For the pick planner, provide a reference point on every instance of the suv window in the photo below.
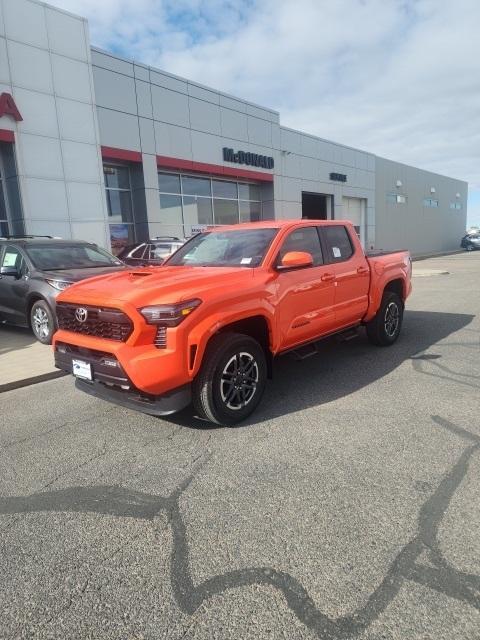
(139, 252)
(304, 239)
(339, 245)
(12, 257)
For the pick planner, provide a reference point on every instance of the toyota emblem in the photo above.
(81, 314)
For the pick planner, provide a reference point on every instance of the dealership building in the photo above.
(96, 147)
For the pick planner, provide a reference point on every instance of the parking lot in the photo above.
(348, 506)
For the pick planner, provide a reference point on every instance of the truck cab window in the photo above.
(338, 241)
(304, 239)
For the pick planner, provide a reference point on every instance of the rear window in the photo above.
(339, 245)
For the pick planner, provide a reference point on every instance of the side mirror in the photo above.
(295, 260)
(9, 271)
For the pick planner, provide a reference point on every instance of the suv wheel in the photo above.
(469, 247)
(42, 322)
(385, 327)
(232, 379)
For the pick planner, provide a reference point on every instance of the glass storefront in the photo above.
(187, 200)
(118, 193)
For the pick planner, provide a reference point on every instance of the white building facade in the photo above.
(104, 149)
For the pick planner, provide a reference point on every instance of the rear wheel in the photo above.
(232, 379)
(42, 322)
(384, 328)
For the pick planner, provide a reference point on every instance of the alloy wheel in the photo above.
(40, 323)
(238, 382)
(392, 319)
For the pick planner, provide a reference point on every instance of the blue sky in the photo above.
(399, 78)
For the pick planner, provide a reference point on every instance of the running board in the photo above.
(345, 336)
(302, 353)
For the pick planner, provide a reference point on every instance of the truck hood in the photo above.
(158, 285)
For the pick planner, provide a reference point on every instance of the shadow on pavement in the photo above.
(341, 368)
(14, 338)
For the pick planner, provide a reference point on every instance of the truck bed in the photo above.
(378, 254)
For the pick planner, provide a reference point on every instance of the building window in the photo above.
(456, 205)
(118, 192)
(396, 198)
(187, 200)
(430, 202)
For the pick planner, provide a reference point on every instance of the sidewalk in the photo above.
(23, 360)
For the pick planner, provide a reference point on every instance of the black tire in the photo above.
(215, 395)
(384, 329)
(469, 247)
(42, 322)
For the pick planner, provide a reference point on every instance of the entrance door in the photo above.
(316, 206)
(354, 210)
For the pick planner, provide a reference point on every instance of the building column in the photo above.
(150, 177)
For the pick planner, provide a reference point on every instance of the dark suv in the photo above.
(33, 269)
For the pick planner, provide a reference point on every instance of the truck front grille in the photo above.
(101, 322)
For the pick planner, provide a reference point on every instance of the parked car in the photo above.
(207, 325)
(152, 252)
(34, 269)
(471, 241)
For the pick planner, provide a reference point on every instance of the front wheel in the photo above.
(232, 379)
(385, 327)
(42, 322)
(469, 247)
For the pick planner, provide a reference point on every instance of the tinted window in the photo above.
(196, 186)
(304, 239)
(224, 189)
(169, 182)
(138, 253)
(338, 243)
(13, 258)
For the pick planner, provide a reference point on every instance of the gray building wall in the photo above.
(45, 65)
(424, 230)
(74, 99)
(155, 113)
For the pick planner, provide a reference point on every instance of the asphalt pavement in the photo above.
(347, 507)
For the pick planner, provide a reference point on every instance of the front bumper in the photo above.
(111, 383)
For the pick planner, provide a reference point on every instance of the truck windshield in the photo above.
(53, 257)
(242, 248)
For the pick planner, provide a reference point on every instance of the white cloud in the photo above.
(399, 78)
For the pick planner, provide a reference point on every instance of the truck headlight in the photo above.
(169, 315)
(59, 285)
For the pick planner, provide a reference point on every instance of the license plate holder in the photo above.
(82, 369)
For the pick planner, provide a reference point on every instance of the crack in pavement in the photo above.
(438, 575)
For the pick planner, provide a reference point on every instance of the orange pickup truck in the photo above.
(206, 326)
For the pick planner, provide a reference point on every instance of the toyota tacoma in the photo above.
(207, 325)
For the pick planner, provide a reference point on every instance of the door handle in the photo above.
(327, 277)
(362, 270)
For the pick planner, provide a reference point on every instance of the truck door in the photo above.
(352, 274)
(306, 296)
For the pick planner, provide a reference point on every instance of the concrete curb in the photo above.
(25, 382)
